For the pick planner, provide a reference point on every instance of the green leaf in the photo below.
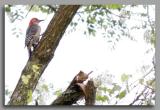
(153, 39)
(143, 14)
(124, 77)
(58, 92)
(102, 98)
(91, 31)
(7, 92)
(121, 94)
(91, 19)
(8, 8)
(117, 87)
(45, 87)
(141, 81)
(151, 83)
(73, 24)
(102, 88)
(114, 6)
(105, 89)
(35, 8)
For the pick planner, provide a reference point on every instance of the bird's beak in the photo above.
(41, 20)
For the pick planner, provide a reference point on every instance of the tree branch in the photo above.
(77, 90)
(29, 10)
(52, 8)
(70, 96)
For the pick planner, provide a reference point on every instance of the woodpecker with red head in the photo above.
(32, 35)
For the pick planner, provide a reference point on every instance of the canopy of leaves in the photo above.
(110, 20)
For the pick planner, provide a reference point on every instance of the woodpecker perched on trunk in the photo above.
(32, 35)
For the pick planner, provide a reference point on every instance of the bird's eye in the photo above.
(35, 19)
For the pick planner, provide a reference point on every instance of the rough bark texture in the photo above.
(74, 93)
(90, 93)
(42, 55)
(77, 90)
(70, 96)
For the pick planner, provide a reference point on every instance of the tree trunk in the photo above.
(42, 55)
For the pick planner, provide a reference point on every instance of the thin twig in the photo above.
(142, 76)
(138, 97)
(53, 8)
(29, 10)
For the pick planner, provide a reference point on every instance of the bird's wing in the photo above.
(31, 32)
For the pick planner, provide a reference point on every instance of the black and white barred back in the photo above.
(32, 35)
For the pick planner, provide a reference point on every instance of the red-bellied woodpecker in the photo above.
(32, 35)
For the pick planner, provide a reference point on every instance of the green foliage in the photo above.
(58, 92)
(7, 92)
(91, 31)
(19, 12)
(141, 81)
(42, 8)
(125, 77)
(150, 37)
(113, 6)
(73, 24)
(122, 94)
(103, 89)
(8, 8)
(97, 16)
(45, 87)
(91, 8)
(102, 98)
(114, 89)
(153, 39)
(17, 32)
(111, 19)
(110, 90)
(42, 92)
(106, 93)
(151, 83)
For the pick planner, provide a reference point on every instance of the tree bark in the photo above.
(78, 90)
(90, 97)
(42, 55)
(74, 93)
(70, 96)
